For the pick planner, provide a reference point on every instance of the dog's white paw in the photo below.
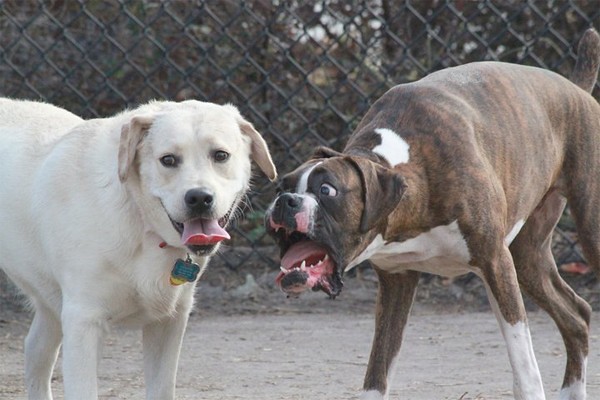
(372, 395)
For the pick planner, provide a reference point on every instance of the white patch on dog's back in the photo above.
(514, 232)
(441, 250)
(393, 148)
(303, 181)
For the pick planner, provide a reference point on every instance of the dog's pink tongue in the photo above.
(203, 232)
(310, 251)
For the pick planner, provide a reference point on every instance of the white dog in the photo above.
(111, 221)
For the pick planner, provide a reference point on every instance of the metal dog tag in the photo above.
(184, 271)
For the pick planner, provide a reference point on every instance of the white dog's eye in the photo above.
(221, 156)
(327, 190)
(169, 161)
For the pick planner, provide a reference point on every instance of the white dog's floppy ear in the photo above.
(260, 151)
(131, 136)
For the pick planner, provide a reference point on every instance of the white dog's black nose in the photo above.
(199, 200)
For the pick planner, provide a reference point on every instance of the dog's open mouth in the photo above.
(306, 264)
(201, 235)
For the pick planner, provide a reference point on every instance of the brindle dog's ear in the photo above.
(325, 152)
(131, 136)
(382, 190)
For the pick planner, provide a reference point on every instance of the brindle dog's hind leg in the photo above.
(539, 277)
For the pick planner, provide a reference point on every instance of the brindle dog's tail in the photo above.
(588, 61)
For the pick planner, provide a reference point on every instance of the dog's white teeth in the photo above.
(303, 265)
(326, 258)
(284, 270)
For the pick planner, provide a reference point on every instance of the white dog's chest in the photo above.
(146, 294)
(146, 302)
(144, 307)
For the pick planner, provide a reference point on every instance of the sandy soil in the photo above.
(320, 356)
(248, 342)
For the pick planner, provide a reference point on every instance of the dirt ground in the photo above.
(246, 341)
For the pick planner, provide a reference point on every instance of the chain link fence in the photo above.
(304, 72)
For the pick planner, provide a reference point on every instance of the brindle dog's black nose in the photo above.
(199, 200)
(286, 207)
(288, 202)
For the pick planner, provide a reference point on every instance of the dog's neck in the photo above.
(413, 208)
(367, 153)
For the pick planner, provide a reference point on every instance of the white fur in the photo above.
(527, 381)
(393, 148)
(83, 244)
(514, 232)
(372, 395)
(303, 181)
(442, 250)
(575, 391)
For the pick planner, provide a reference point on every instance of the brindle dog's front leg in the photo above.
(394, 301)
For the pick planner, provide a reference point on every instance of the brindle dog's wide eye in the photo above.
(328, 190)
(221, 156)
(169, 161)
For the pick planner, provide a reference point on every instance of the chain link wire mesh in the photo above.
(304, 72)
